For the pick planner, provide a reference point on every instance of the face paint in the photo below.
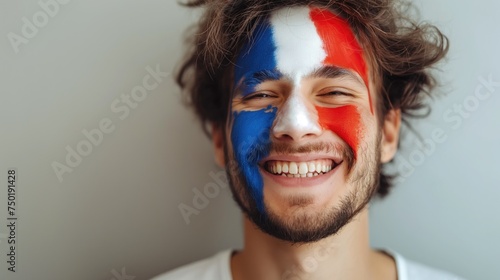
(343, 51)
(307, 39)
(296, 116)
(345, 121)
(256, 60)
(340, 44)
(292, 43)
(250, 134)
(299, 49)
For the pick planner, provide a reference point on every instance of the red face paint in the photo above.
(344, 121)
(344, 51)
(340, 44)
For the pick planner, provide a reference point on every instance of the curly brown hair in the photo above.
(399, 50)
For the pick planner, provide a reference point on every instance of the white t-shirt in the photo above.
(218, 267)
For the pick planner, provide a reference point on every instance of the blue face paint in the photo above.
(250, 134)
(257, 59)
(251, 142)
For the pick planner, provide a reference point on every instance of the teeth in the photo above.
(285, 168)
(302, 168)
(312, 167)
(293, 168)
(299, 169)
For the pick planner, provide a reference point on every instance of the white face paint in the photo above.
(299, 51)
(295, 118)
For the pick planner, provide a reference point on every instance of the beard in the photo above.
(300, 225)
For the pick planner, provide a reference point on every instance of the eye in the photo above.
(258, 95)
(335, 93)
(335, 96)
(256, 100)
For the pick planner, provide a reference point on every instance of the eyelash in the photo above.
(336, 92)
(257, 95)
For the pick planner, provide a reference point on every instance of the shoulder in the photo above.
(212, 268)
(410, 270)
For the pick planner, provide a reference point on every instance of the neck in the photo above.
(346, 254)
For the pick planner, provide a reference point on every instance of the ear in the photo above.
(390, 135)
(218, 142)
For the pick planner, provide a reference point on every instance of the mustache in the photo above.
(262, 148)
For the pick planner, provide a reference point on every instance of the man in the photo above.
(303, 101)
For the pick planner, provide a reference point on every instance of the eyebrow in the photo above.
(262, 76)
(331, 72)
(248, 83)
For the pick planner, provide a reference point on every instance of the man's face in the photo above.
(302, 140)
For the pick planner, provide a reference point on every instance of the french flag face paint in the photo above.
(291, 45)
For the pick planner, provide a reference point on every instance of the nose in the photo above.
(296, 120)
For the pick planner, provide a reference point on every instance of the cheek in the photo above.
(250, 138)
(344, 121)
(250, 133)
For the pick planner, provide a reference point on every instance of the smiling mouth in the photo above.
(294, 169)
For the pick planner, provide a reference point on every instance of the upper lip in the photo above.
(301, 158)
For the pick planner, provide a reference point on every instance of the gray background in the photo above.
(117, 211)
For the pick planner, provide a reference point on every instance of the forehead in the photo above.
(297, 41)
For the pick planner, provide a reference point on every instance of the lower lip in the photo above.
(301, 181)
